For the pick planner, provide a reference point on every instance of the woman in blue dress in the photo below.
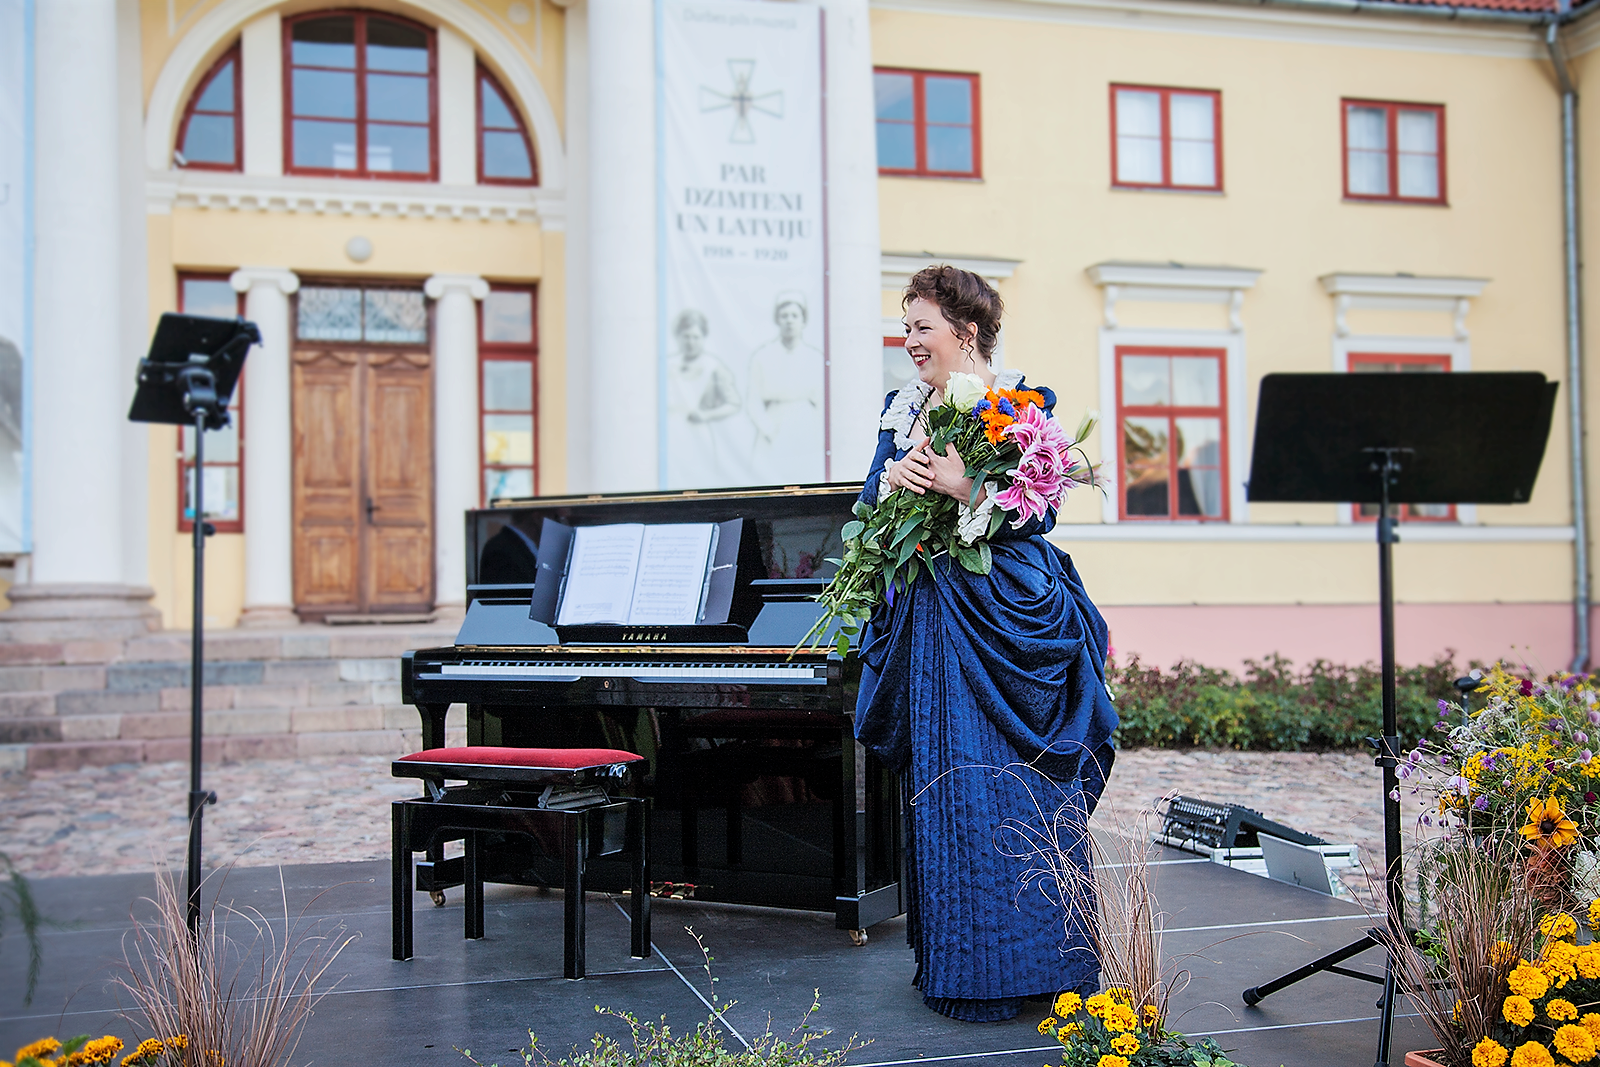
(986, 693)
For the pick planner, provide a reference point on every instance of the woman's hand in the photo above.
(911, 471)
(948, 472)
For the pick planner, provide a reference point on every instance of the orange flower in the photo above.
(1548, 826)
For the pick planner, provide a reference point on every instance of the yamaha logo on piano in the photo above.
(644, 635)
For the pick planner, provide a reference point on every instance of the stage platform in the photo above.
(1236, 929)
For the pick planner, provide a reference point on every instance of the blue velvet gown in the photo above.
(965, 675)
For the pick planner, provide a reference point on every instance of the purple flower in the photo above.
(1402, 771)
(1394, 794)
(1007, 408)
(1038, 482)
(1580, 737)
(1444, 708)
(1458, 784)
(1444, 761)
(1481, 804)
(1586, 755)
(1594, 716)
(1526, 688)
(1590, 798)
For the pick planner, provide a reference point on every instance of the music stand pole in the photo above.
(1389, 744)
(198, 798)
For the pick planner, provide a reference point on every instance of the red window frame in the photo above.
(919, 124)
(360, 121)
(1171, 412)
(485, 74)
(1392, 120)
(1403, 511)
(509, 352)
(1166, 138)
(235, 408)
(231, 55)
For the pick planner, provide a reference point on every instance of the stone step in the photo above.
(27, 705)
(55, 754)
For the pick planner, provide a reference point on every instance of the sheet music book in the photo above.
(633, 574)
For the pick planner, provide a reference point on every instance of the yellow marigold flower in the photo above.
(1594, 914)
(1119, 994)
(1561, 1010)
(1064, 1033)
(1068, 1004)
(1120, 1017)
(1502, 953)
(1548, 826)
(1109, 1060)
(1127, 1044)
(1047, 1026)
(1591, 1023)
(1517, 1010)
(1558, 924)
(1588, 961)
(1489, 1053)
(1528, 981)
(179, 1041)
(1152, 1014)
(39, 1049)
(1532, 1054)
(1097, 1004)
(1575, 1043)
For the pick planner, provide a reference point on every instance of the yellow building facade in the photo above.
(1260, 257)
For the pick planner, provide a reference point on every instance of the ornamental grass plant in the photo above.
(235, 993)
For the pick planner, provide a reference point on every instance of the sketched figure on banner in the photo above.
(784, 399)
(702, 449)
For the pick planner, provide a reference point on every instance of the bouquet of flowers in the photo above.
(1021, 462)
(1523, 765)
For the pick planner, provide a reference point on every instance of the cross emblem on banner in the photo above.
(742, 101)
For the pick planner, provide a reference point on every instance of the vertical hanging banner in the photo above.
(743, 264)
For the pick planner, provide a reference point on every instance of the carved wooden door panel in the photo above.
(397, 556)
(327, 480)
(363, 481)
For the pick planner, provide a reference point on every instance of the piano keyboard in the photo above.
(653, 671)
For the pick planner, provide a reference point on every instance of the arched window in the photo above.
(211, 135)
(505, 155)
(360, 97)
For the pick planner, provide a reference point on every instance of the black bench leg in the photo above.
(402, 884)
(574, 847)
(639, 847)
(473, 886)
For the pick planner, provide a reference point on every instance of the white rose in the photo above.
(964, 391)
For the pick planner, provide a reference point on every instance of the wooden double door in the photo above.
(363, 480)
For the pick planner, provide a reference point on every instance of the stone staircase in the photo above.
(269, 694)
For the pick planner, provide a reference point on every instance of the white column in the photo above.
(855, 376)
(261, 71)
(622, 243)
(456, 480)
(577, 245)
(268, 450)
(458, 109)
(135, 293)
(77, 370)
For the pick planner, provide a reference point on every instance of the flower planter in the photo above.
(1425, 1058)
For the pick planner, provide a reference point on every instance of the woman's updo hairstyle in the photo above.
(963, 299)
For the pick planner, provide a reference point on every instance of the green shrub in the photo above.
(1274, 707)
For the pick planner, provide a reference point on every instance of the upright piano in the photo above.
(761, 794)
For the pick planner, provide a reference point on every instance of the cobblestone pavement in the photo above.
(102, 820)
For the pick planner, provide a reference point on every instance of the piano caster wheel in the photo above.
(858, 938)
(437, 896)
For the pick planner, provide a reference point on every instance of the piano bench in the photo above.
(550, 795)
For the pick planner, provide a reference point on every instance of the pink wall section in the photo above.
(1226, 635)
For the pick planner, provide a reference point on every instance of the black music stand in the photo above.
(187, 380)
(1391, 439)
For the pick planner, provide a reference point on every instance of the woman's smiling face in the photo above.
(933, 345)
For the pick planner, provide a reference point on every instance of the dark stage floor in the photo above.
(485, 995)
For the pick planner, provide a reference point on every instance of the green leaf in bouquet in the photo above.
(852, 530)
(841, 643)
(905, 529)
(978, 484)
(986, 557)
(862, 510)
(969, 557)
(907, 550)
(996, 517)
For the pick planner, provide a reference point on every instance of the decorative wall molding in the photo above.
(898, 267)
(1173, 283)
(212, 191)
(1402, 292)
(1422, 33)
(1362, 533)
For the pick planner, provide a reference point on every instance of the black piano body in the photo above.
(760, 793)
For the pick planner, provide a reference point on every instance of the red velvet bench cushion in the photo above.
(491, 762)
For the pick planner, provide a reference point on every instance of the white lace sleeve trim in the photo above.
(901, 415)
(974, 522)
(884, 488)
